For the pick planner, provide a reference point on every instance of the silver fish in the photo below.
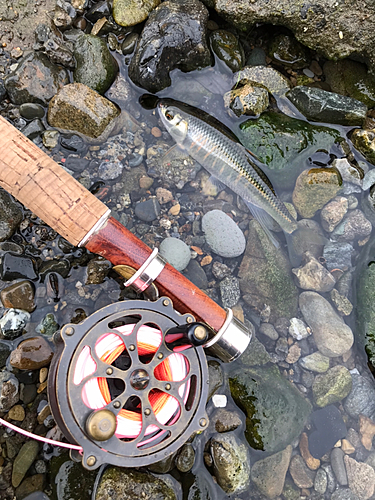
(219, 152)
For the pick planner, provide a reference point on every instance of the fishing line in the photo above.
(96, 392)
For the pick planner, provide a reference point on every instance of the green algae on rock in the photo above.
(332, 386)
(265, 276)
(364, 142)
(132, 12)
(228, 48)
(78, 108)
(71, 479)
(284, 143)
(96, 67)
(275, 410)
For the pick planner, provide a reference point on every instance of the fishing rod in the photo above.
(128, 385)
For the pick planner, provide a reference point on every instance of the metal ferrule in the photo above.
(148, 272)
(231, 340)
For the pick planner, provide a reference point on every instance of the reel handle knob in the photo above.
(187, 335)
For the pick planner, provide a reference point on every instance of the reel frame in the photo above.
(70, 412)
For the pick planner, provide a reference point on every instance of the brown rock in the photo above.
(175, 210)
(367, 431)
(294, 354)
(311, 462)
(206, 260)
(156, 132)
(19, 296)
(361, 478)
(347, 447)
(302, 476)
(30, 485)
(145, 182)
(31, 354)
(17, 413)
(163, 196)
(313, 276)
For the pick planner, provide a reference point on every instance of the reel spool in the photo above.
(117, 389)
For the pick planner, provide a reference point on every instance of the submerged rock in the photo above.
(174, 36)
(333, 213)
(286, 50)
(229, 241)
(322, 106)
(129, 484)
(361, 478)
(231, 462)
(313, 276)
(275, 410)
(131, 12)
(9, 391)
(332, 336)
(332, 387)
(247, 100)
(314, 188)
(96, 67)
(228, 48)
(71, 479)
(31, 354)
(284, 143)
(361, 400)
(353, 227)
(79, 108)
(265, 276)
(269, 474)
(176, 252)
(22, 86)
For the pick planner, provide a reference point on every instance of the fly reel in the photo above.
(121, 392)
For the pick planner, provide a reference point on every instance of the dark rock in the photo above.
(58, 50)
(275, 410)
(231, 463)
(76, 164)
(322, 106)
(130, 12)
(31, 488)
(257, 57)
(255, 354)
(13, 323)
(3, 91)
(228, 48)
(285, 49)
(338, 466)
(98, 11)
(338, 255)
(329, 428)
(129, 484)
(33, 129)
(28, 393)
(71, 480)
(185, 459)
(195, 273)
(79, 108)
(22, 86)
(148, 210)
(17, 266)
(10, 215)
(226, 421)
(31, 354)
(19, 296)
(97, 270)
(361, 400)
(163, 466)
(96, 67)
(5, 350)
(174, 36)
(129, 44)
(9, 391)
(284, 143)
(265, 276)
(30, 110)
(48, 267)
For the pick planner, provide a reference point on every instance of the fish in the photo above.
(219, 151)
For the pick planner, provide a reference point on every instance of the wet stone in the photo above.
(297, 329)
(22, 86)
(129, 44)
(226, 421)
(332, 336)
(294, 354)
(130, 12)
(33, 129)
(355, 226)
(268, 77)
(332, 387)
(185, 459)
(269, 331)
(231, 462)
(28, 393)
(110, 170)
(228, 48)
(285, 49)
(361, 478)
(30, 110)
(247, 100)
(23, 461)
(364, 142)
(31, 354)
(5, 350)
(148, 210)
(322, 106)
(313, 276)
(255, 354)
(338, 255)
(19, 296)
(229, 241)
(338, 466)
(10, 215)
(174, 36)
(302, 476)
(361, 400)
(314, 188)
(333, 213)
(128, 484)
(51, 138)
(195, 273)
(230, 291)
(9, 392)
(315, 362)
(269, 474)
(343, 494)
(13, 323)
(342, 303)
(96, 67)
(176, 252)
(97, 270)
(349, 173)
(79, 108)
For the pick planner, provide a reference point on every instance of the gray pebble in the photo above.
(331, 480)
(222, 234)
(320, 482)
(230, 291)
(338, 466)
(110, 170)
(268, 330)
(361, 400)
(176, 252)
(148, 210)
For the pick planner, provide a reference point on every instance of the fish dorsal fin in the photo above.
(252, 159)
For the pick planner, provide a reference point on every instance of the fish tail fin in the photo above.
(301, 240)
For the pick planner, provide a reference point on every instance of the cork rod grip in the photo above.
(44, 187)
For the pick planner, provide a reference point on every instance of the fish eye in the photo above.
(169, 115)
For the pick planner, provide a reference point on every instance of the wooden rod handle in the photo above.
(44, 187)
(114, 242)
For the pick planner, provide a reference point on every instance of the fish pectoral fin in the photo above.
(258, 166)
(265, 220)
(215, 182)
(171, 150)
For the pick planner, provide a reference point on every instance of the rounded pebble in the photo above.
(176, 252)
(222, 234)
